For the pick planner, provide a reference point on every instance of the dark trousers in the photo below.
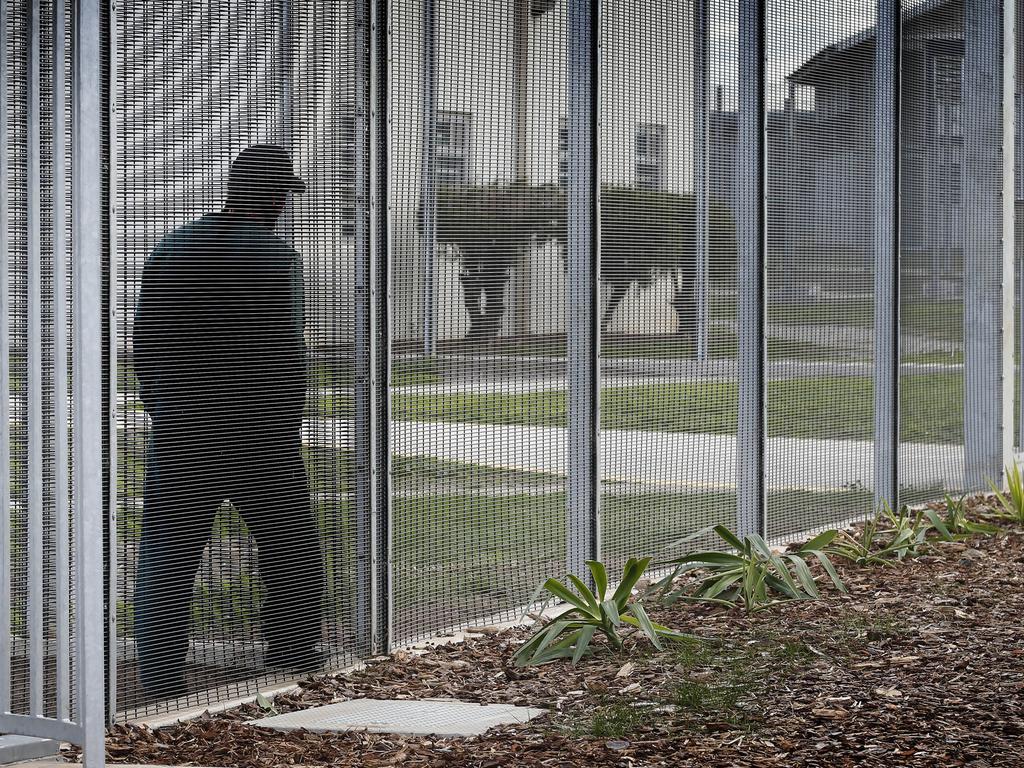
(189, 474)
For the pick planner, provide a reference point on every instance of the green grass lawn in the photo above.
(830, 407)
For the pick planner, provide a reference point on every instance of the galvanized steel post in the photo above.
(751, 233)
(428, 176)
(701, 137)
(34, 354)
(5, 380)
(582, 537)
(87, 377)
(988, 87)
(62, 559)
(372, 423)
(113, 321)
(888, 73)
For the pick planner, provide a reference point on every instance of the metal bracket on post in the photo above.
(888, 89)
(701, 136)
(582, 535)
(989, 84)
(751, 231)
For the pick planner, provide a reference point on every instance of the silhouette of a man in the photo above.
(220, 358)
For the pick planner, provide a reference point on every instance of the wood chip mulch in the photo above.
(922, 664)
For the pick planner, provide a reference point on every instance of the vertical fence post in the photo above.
(5, 383)
(888, 74)
(113, 589)
(363, 332)
(372, 334)
(583, 283)
(62, 561)
(751, 277)
(989, 82)
(701, 136)
(428, 175)
(383, 213)
(34, 352)
(87, 376)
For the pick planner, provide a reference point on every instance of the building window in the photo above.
(451, 147)
(650, 156)
(563, 153)
(947, 77)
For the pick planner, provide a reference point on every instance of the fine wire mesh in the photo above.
(479, 441)
(56, 566)
(480, 153)
(198, 84)
(17, 44)
(668, 415)
(820, 261)
(932, 249)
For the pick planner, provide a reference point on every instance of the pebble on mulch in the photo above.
(922, 664)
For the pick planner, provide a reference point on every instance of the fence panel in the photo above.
(566, 279)
(478, 143)
(820, 338)
(51, 556)
(264, 529)
(668, 273)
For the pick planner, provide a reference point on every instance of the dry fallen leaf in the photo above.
(830, 714)
(889, 693)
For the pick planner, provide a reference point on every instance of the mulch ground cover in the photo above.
(921, 664)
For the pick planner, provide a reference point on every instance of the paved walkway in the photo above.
(658, 460)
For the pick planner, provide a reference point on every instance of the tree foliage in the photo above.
(645, 234)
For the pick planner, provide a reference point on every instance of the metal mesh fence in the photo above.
(37, 553)
(820, 256)
(563, 280)
(478, 326)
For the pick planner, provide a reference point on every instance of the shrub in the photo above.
(885, 538)
(753, 576)
(954, 525)
(569, 635)
(1011, 502)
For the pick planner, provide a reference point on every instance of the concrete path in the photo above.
(658, 460)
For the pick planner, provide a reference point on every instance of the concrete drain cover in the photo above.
(437, 717)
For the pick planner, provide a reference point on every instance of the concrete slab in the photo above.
(428, 717)
(15, 749)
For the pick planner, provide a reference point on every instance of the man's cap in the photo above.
(264, 166)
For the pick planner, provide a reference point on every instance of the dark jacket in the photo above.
(218, 327)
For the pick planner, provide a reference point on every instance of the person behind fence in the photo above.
(220, 358)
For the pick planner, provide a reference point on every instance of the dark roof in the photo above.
(825, 61)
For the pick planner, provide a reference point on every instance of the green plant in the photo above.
(614, 721)
(753, 576)
(954, 525)
(884, 538)
(1012, 502)
(569, 635)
